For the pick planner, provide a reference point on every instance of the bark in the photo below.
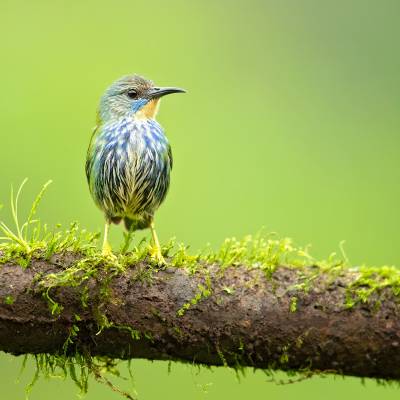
(247, 320)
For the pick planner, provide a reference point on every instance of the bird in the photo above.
(129, 158)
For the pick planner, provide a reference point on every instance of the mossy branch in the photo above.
(258, 302)
(308, 319)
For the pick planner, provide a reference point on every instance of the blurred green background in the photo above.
(291, 122)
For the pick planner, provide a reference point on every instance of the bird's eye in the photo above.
(132, 94)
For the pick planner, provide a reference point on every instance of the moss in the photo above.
(178, 332)
(284, 357)
(369, 283)
(263, 251)
(73, 333)
(9, 300)
(221, 356)
(293, 304)
(228, 289)
(203, 292)
(80, 368)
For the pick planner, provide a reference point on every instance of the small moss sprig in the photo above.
(32, 238)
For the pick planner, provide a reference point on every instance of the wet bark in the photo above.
(296, 319)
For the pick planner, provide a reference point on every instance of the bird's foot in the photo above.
(107, 251)
(155, 253)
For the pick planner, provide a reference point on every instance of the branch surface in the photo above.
(297, 319)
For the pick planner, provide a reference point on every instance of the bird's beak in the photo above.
(157, 92)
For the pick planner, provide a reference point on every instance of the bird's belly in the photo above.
(150, 177)
(131, 175)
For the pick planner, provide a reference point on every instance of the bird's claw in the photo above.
(155, 253)
(110, 256)
(107, 251)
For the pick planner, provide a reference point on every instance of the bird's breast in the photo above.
(133, 135)
(130, 141)
(131, 165)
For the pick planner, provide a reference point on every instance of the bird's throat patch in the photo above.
(149, 110)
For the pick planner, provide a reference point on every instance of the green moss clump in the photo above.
(293, 304)
(9, 300)
(369, 283)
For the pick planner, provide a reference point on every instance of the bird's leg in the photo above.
(106, 249)
(156, 253)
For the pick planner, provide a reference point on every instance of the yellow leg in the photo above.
(106, 250)
(157, 248)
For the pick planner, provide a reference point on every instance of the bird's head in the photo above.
(132, 96)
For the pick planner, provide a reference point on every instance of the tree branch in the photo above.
(303, 319)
